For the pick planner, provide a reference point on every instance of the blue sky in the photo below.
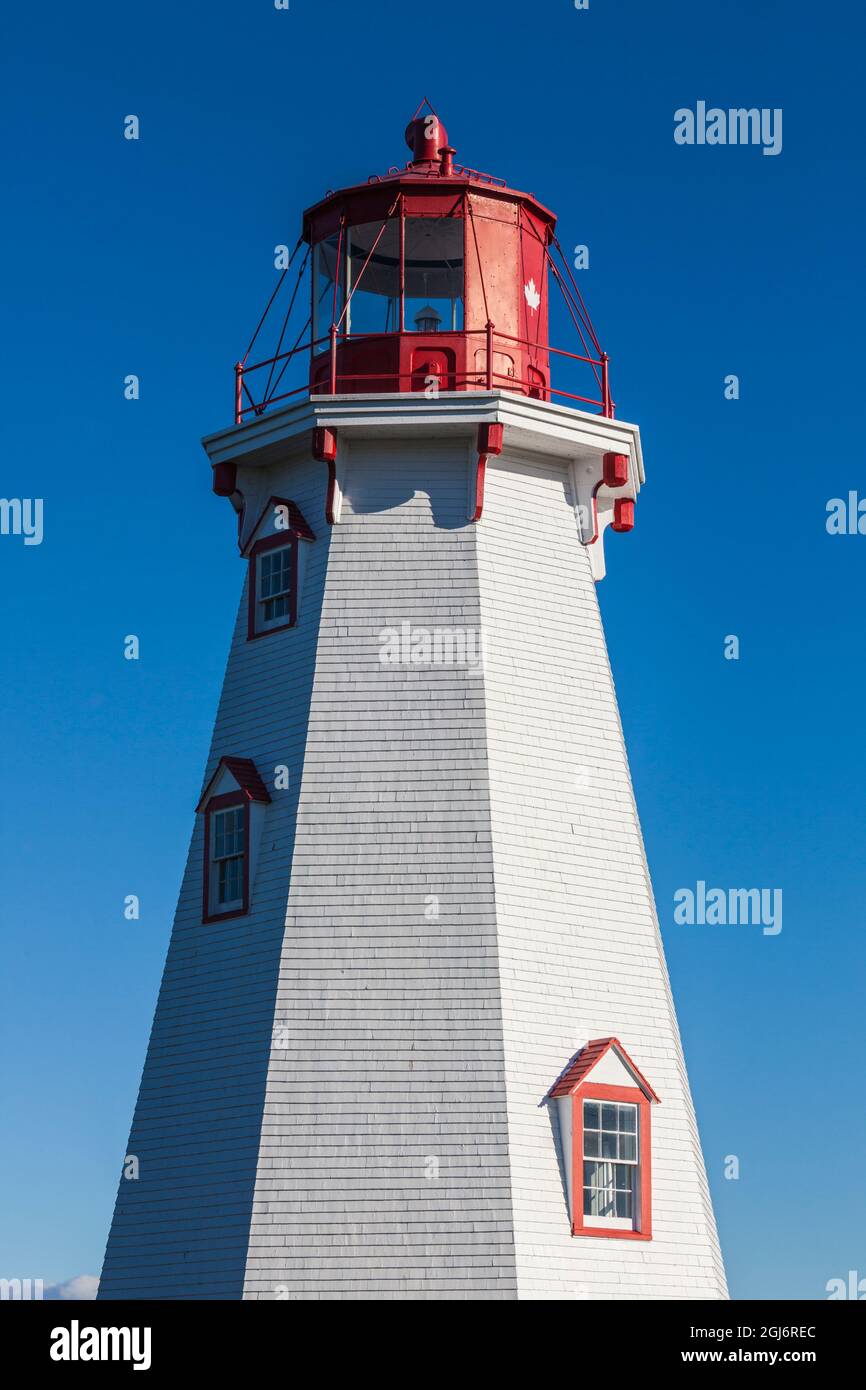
(155, 257)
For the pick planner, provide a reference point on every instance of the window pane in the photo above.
(628, 1118)
(592, 1143)
(598, 1192)
(608, 1145)
(590, 1114)
(229, 889)
(608, 1117)
(598, 1174)
(276, 608)
(595, 1202)
(609, 1188)
(228, 828)
(275, 572)
(434, 274)
(628, 1146)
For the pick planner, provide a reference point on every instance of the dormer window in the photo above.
(233, 807)
(604, 1106)
(275, 568)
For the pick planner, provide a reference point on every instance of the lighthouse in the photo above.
(415, 1037)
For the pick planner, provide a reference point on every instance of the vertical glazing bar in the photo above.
(239, 393)
(466, 323)
(489, 355)
(337, 271)
(314, 278)
(402, 266)
(347, 282)
(333, 329)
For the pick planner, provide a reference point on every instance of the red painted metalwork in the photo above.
(331, 495)
(225, 479)
(426, 136)
(239, 393)
(490, 439)
(324, 448)
(615, 469)
(480, 475)
(324, 444)
(623, 514)
(432, 233)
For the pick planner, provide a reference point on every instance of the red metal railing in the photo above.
(487, 379)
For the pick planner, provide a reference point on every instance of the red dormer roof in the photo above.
(297, 522)
(245, 774)
(587, 1058)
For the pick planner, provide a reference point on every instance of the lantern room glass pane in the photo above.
(374, 277)
(324, 270)
(434, 274)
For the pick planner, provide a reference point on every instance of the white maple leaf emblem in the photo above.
(533, 298)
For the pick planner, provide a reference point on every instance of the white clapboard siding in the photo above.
(343, 1096)
(579, 948)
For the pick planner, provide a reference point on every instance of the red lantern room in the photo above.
(430, 274)
(433, 277)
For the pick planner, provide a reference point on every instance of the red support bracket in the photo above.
(324, 448)
(623, 514)
(225, 477)
(489, 442)
(615, 469)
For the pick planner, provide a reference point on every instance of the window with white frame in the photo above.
(611, 1162)
(275, 585)
(227, 853)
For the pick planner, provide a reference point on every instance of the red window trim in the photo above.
(222, 803)
(281, 540)
(630, 1095)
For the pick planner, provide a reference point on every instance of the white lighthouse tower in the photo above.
(415, 1037)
